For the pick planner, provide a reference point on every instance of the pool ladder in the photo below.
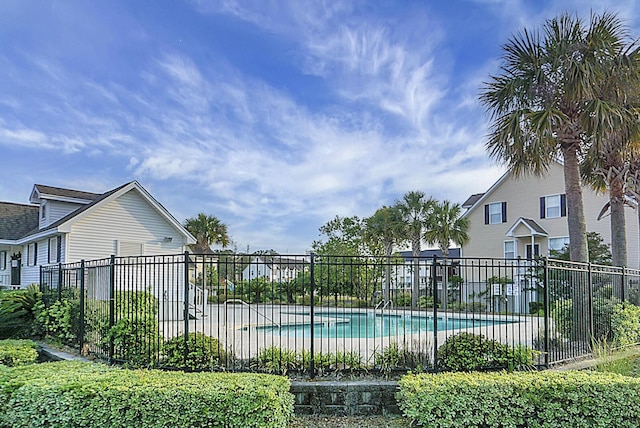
(382, 305)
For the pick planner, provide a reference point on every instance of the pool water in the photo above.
(363, 325)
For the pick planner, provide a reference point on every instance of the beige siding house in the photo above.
(524, 216)
(65, 226)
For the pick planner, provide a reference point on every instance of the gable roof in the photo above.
(17, 220)
(533, 227)
(41, 191)
(454, 253)
(30, 229)
(472, 200)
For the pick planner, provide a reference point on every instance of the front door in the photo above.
(536, 251)
(16, 260)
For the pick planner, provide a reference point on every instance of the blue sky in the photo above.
(275, 116)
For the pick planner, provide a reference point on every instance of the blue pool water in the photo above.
(363, 325)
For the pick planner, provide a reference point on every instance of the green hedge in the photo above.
(531, 399)
(89, 395)
(18, 352)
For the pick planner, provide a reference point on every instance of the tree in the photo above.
(607, 165)
(414, 210)
(445, 224)
(543, 103)
(208, 230)
(599, 252)
(384, 228)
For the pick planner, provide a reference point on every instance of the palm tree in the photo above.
(445, 225)
(542, 103)
(208, 230)
(608, 162)
(384, 227)
(414, 210)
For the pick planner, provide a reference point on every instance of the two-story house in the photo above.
(527, 215)
(65, 226)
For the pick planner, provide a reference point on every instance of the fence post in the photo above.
(434, 282)
(112, 304)
(312, 369)
(81, 315)
(186, 301)
(590, 299)
(545, 283)
(59, 281)
(624, 283)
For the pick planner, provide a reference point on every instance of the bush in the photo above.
(17, 312)
(18, 352)
(470, 352)
(83, 394)
(198, 352)
(562, 315)
(58, 322)
(276, 360)
(402, 300)
(625, 324)
(528, 399)
(136, 342)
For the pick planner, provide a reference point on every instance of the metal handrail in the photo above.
(250, 307)
(385, 304)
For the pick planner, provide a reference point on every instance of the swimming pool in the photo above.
(369, 325)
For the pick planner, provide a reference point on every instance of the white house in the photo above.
(65, 226)
(275, 269)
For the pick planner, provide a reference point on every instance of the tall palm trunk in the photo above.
(579, 251)
(618, 225)
(415, 249)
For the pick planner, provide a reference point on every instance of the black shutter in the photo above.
(542, 208)
(504, 212)
(49, 251)
(35, 254)
(563, 205)
(486, 214)
(59, 245)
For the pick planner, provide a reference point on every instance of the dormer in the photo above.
(55, 202)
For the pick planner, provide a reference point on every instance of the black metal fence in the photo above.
(316, 314)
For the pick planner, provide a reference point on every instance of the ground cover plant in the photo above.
(88, 395)
(14, 352)
(524, 399)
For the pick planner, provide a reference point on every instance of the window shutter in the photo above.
(35, 254)
(563, 205)
(59, 245)
(486, 214)
(49, 251)
(542, 208)
(504, 212)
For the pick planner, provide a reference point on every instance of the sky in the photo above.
(273, 115)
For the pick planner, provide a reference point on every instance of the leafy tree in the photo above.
(208, 230)
(414, 209)
(384, 228)
(599, 252)
(546, 100)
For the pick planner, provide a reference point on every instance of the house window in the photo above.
(553, 206)
(495, 213)
(43, 211)
(557, 244)
(3, 260)
(54, 249)
(32, 254)
(509, 249)
(535, 253)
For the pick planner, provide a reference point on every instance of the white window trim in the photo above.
(547, 206)
(499, 213)
(504, 249)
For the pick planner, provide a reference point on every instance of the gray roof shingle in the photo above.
(17, 220)
(67, 193)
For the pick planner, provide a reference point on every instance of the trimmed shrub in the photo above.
(470, 352)
(526, 399)
(18, 352)
(198, 352)
(86, 395)
(59, 322)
